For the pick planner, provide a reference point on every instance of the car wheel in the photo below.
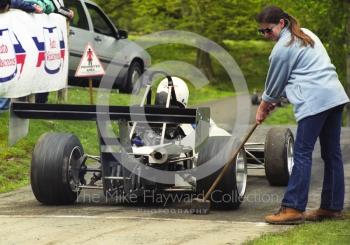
(279, 163)
(230, 192)
(255, 99)
(132, 85)
(55, 168)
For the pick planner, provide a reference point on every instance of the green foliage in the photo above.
(216, 20)
(120, 11)
(252, 58)
(234, 20)
(153, 15)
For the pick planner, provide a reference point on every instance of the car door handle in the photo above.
(71, 33)
(98, 39)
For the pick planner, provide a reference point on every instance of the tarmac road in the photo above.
(92, 220)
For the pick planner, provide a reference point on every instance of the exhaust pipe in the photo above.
(163, 153)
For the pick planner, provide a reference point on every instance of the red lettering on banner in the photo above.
(53, 56)
(3, 49)
(7, 62)
(53, 43)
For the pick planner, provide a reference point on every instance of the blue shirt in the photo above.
(305, 75)
(23, 5)
(28, 5)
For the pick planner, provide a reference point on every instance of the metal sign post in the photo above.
(91, 92)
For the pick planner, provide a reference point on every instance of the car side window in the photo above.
(79, 20)
(100, 22)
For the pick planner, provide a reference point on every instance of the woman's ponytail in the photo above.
(296, 32)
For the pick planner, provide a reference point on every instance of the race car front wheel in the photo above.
(230, 192)
(55, 168)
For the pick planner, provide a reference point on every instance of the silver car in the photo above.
(91, 25)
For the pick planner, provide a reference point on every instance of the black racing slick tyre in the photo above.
(279, 163)
(132, 84)
(55, 168)
(229, 193)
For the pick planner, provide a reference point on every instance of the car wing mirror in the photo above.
(123, 34)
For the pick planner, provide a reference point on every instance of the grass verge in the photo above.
(281, 115)
(327, 232)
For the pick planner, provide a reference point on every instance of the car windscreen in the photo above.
(100, 22)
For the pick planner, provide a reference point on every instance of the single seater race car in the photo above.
(161, 147)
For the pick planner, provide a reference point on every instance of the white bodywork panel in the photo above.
(188, 141)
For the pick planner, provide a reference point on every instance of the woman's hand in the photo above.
(263, 111)
(38, 9)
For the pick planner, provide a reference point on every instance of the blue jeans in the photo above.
(327, 126)
(4, 104)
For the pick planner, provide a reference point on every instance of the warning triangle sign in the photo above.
(90, 65)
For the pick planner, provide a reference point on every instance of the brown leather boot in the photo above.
(322, 214)
(286, 216)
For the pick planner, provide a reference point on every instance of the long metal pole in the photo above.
(228, 163)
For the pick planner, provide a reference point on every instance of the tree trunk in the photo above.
(203, 62)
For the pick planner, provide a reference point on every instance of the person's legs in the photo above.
(332, 197)
(4, 104)
(309, 128)
(295, 198)
(41, 98)
(4, 5)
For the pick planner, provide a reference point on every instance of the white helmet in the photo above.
(181, 92)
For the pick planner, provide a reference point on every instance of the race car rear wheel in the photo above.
(231, 190)
(55, 168)
(279, 163)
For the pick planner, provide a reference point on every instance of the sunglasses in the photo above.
(266, 30)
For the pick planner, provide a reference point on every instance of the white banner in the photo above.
(33, 53)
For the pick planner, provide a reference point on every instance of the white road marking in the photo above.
(131, 218)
